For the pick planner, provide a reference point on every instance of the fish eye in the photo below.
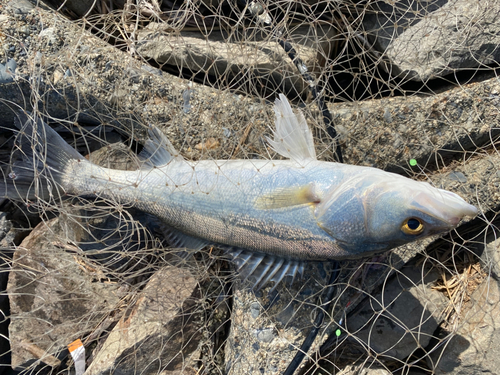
(413, 226)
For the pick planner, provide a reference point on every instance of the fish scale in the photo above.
(270, 216)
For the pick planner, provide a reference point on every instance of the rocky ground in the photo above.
(101, 275)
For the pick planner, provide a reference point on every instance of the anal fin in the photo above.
(260, 268)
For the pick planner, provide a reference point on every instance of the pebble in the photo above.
(21, 6)
(265, 334)
(24, 30)
(186, 96)
(48, 33)
(457, 176)
(387, 115)
(57, 76)
(8, 71)
(286, 315)
(151, 69)
(255, 309)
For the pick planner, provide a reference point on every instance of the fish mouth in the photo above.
(446, 206)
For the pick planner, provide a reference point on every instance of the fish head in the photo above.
(376, 211)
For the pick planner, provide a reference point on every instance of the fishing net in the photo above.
(410, 87)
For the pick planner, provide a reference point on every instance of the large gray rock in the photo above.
(161, 332)
(266, 330)
(54, 299)
(231, 56)
(422, 40)
(474, 348)
(402, 317)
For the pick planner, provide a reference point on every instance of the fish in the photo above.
(269, 216)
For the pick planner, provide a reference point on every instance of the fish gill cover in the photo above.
(406, 87)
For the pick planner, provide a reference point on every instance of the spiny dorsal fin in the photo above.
(158, 150)
(286, 197)
(292, 138)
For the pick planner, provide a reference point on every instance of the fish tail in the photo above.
(38, 161)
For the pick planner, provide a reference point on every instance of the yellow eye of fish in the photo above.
(412, 226)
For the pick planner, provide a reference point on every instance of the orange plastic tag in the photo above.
(75, 345)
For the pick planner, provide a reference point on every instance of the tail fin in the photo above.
(37, 161)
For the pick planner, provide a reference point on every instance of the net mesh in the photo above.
(411, 87)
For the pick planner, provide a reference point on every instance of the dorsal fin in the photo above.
(158, 150)
(292, 138)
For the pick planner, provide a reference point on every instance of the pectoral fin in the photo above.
(287, 197)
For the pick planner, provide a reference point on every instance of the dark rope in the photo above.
(318, 321)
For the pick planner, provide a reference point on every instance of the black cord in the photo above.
(318, 321)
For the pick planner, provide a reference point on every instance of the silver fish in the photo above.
(269, 215)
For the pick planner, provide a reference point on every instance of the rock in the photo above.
(402, 318)
(421, 127)
(268, 327)
(474, 348)
(8, 71)
(425, 40)
(362, 370)
(5, 230)
(160, 331)
(21, 6)
(224, 55)
(53, 298)
(258, 342)
(457, 176)
(491, 256)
